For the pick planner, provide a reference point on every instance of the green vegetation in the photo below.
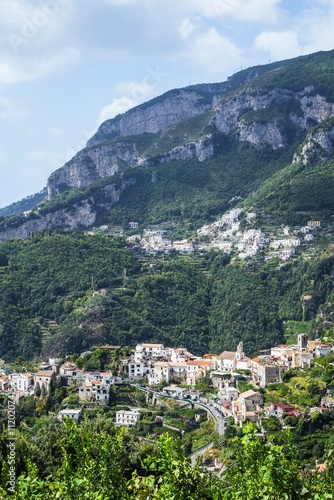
(95, 460)
(315, 69)
(23, 205)
(64, 293)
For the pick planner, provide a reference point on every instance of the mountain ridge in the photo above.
(270, 108)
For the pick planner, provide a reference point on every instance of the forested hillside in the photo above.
(63, 293)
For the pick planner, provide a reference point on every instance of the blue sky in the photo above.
(66, 65)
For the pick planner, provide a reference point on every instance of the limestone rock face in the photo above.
(244, 114)
(262, 134)
(154, 116)
(319, 146)
(81, 215)
(260, 118)
(201, 149)
(91, 164)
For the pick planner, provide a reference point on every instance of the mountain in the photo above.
(261, 142)
(24, 205)
(206, 144)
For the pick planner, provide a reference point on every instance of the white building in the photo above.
(127, 417)
(152, 350)
(21, 381)
(228, 394)
(73, 414)
(139, 369)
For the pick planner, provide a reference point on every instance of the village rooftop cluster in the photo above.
(225, 235)
(177, 371)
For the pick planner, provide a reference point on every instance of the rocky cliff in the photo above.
(266, 108)
(155, 116)
(81, 215)
(319, 144)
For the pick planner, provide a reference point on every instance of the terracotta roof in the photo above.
(292, 412)
(26, 374)
(282, 406)
(202, 362)
(248, 394)
(44, 373)
(227, 355)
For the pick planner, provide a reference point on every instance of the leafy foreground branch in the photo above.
(95, 465)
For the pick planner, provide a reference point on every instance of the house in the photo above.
(247, 406)
(152, 350)
(73, 414)
(197, 369)
(227, 361)
(219, 378)
(266, 370)
(179, 354)
(167, 370)
(45, 379)
(139, 370)
(228, 394)
(314, 223)
(67, 369)
(127, 417)
(174, 391)
(279, 409)
(183, 246)
(21, 381)
(94, 391)
(322, 350)
(4, 383)
(133, 225)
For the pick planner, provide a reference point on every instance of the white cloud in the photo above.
(240, 10)
(136, 91)
(118, 105)
(213, 53)
(18, 71)
(186, 28)
(132, 94)
(316, 27)
(279, 44)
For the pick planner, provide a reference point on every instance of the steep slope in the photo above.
(181, 124)
(308, 183)
(192, 150)
(23, 205)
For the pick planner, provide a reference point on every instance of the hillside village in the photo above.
(175, 372)
(226, 234)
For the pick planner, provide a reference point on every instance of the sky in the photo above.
(68, 65)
